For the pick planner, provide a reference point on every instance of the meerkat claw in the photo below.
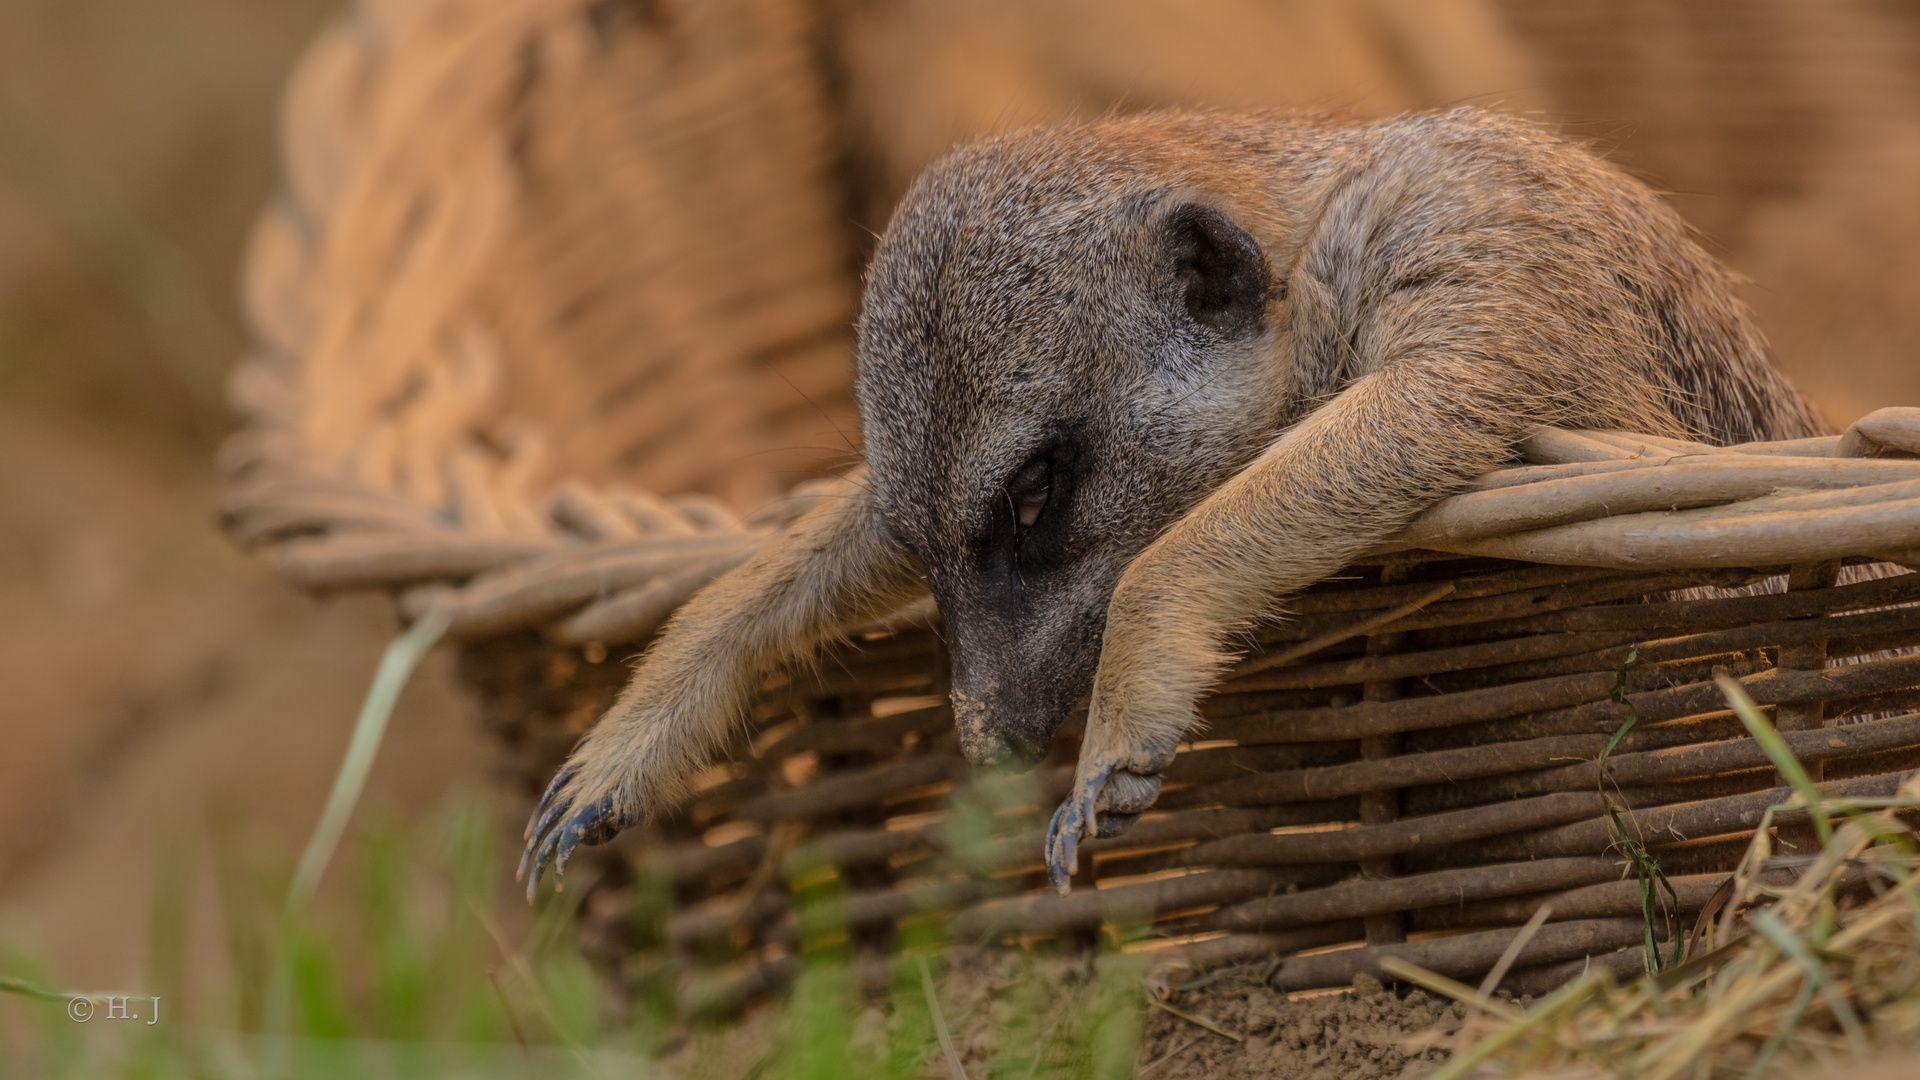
(1117, 788)
(1062, 840)
(1070, 823)
(533, 862)
(535, 822)
(561, 829)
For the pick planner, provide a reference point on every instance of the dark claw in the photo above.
(545, 824)
(1069, 824)
(1061, 845)
(590, 826)
(551, 807)
(534, 862)
(555, 833)
(1106, 805)
(534, 824)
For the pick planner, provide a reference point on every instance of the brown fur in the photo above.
(1211, 358)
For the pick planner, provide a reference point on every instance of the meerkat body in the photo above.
(1125, 384)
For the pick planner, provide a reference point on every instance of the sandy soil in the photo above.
(1367, 1032)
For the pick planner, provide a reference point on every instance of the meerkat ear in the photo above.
(1221, 270)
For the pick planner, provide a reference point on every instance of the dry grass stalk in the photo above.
(1792, 979)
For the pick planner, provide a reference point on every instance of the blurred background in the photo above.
(160, 687)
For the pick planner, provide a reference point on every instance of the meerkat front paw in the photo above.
(1111, 789)
(565, 818)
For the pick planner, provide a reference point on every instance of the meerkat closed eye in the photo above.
(1125, 384)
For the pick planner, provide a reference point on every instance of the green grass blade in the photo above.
(396, 667)
(11, 985)
(947, 1049)
(1778, 752)
(1618, 695)
(1783, 938)
(1645, 868)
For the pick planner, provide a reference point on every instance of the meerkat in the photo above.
(1125, 385)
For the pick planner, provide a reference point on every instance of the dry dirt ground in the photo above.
(1369, 1032)
(1361, 1034)
(1015, 1015)
(994, 999)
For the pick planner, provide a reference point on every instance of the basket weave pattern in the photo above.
(1414, 747)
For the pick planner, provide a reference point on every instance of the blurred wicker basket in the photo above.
(478, 354)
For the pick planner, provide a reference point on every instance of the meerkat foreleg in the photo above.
(834, 567)
(1348, 476)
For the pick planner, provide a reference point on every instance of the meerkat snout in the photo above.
(1057, 358)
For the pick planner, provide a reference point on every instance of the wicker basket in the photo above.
(448, 403)
(1413, 752)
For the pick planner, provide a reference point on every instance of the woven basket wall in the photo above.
(510, 293)
(1410, 760)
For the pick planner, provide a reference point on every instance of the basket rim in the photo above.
(613, 565)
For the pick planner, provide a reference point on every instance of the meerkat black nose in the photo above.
(1011, 689)
(986, 743)
(1001, 750)
(985, 750)
(1022, 750)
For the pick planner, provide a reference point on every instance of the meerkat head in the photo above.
(1064, 345)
